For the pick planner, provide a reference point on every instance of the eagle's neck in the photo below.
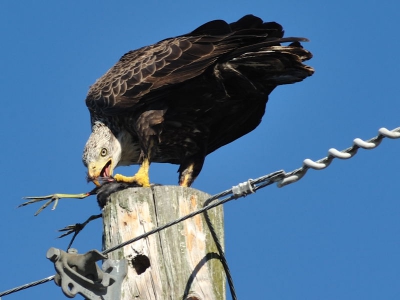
(129, 145)
(130, 149)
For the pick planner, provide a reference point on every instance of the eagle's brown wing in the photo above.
(149, 70)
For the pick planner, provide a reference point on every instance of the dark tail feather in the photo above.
(276, 65)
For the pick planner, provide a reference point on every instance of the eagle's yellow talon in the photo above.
(141, 177)
(121, 178)
(138, 178)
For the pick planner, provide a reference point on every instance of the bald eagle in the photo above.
(184, 97)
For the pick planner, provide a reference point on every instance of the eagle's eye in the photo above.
(103, 152)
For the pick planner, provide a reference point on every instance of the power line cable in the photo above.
(243, 189)
(26, 286)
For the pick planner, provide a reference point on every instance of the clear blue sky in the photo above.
(333, 235)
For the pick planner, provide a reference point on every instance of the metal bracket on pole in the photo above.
(79, 274)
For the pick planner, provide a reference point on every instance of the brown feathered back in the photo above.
(195, 93)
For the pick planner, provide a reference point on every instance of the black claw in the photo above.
(76, 228)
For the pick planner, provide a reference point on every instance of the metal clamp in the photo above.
(243, 189)
(79, 274)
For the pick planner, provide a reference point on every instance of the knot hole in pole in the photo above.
(193, 296)
(140, 263)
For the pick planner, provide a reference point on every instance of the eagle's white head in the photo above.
(102, 152)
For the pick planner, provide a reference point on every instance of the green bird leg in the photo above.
(52, 198)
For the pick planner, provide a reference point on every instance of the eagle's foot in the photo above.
(184, 181)
(140, 179)
(186, 176)
(51, 198)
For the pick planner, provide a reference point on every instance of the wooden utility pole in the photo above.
(180, 262)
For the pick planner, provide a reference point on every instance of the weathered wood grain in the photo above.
(180, 262)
